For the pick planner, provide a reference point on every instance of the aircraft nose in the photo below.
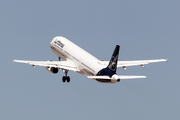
(52, 41)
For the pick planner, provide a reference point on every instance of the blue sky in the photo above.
(143, 29)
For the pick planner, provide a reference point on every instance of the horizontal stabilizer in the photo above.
(130, 77)
(99, 77)
(119, 77)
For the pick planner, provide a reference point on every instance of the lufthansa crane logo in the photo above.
(113, 63)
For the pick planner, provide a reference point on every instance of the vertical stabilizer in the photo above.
(114, 59)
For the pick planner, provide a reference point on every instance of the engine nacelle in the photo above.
(52, 69)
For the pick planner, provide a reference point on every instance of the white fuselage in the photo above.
(85, 62)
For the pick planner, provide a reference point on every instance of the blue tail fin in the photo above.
(110, 70)
(114, 59)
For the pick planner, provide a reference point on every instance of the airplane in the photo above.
(82, 62)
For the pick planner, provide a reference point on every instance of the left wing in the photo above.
(56, 64)
(124, 64)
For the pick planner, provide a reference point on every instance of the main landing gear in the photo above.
(65, 78)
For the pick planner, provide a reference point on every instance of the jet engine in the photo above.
(52, 69)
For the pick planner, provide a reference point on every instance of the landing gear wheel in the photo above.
(66, 78)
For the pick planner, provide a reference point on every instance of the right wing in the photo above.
(124, 64)
(138, 62)
(57, 64)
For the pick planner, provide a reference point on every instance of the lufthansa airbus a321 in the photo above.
(80, 61)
